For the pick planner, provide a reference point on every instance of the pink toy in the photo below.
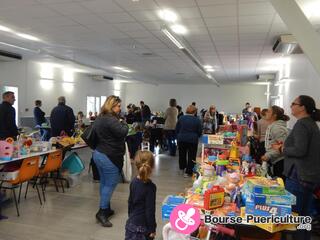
(6, 150)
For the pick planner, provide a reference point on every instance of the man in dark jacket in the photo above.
(145, 112)
(62, 118)
(8, 127)
(38, 113)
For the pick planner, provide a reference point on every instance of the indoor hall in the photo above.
(208, 103)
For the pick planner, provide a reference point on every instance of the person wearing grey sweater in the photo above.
(302, 155)
(277, 132)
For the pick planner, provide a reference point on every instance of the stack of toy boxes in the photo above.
(169, 203)
(265, 197)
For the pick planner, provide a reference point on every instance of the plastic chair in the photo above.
(51, 166)
(28, 170)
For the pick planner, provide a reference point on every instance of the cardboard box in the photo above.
(169, 203)
(286, 199)
(267, 210)
(262, 185)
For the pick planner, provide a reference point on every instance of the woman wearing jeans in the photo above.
(302, 155)
(108, 155)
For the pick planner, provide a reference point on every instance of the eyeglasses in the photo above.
(293, 104)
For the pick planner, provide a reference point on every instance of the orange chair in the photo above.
(28, 170)
(52, 165)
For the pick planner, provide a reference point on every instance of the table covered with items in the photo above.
(227, 182)
(17, 157)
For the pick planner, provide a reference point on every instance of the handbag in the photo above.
(90, 137)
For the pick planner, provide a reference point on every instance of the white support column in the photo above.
(301, 28)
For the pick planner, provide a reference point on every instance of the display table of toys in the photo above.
(228, 182)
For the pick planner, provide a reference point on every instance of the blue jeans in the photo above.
(304, 205)
(109, 177)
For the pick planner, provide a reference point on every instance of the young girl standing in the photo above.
(141, 224)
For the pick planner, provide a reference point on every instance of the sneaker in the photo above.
(186, 175)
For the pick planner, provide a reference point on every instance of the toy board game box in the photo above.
(286, 199)
(262, 185)
(267, 210)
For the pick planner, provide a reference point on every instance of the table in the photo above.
(34, 154)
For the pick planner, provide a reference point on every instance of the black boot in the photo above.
(102, 218)
(109, 212)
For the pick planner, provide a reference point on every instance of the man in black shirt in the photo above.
(62, 119)
(8, 127)
(145, 112)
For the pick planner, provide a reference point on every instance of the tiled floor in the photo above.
(71, 215)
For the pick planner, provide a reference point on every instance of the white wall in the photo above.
(302, 80)
(26, 76)
(227, 98)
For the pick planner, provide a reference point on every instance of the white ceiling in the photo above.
(236, 36)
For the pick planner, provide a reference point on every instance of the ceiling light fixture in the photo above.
(5, 29)
(28, 36)
(21, 48)
(188, 52)
(207, 66)
(118, 68)
(172, 38)
(179, 29)
(168, 15)
(210, 70)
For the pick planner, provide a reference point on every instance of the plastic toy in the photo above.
(234, 151)
(6, 150)
(221, 166)
(214, 198)
(208, 170)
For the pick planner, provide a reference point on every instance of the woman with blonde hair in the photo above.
(108, 155)
(210, 120)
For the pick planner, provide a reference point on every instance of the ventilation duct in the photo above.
(9, 57)
(101, 77)
(287, 44)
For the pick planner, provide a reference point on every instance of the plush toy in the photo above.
(233, 180)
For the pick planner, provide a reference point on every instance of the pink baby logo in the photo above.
(185, 219)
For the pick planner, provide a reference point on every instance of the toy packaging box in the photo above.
(267, 210)
(169, 203)
(286, 199)
(261, 185)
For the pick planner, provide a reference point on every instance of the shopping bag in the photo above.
(127, 168)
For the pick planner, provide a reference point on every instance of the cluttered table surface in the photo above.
(228, 182)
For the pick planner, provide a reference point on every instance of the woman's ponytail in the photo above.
(310, 106)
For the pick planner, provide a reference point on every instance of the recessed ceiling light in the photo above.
(5, 29)
(179, 29)
(118, 68)
(207, 66)
(28, 36)
(210, 70)
(168, 15)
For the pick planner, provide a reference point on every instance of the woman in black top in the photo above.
(302, 155)
(108, 155)
(141, 224)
